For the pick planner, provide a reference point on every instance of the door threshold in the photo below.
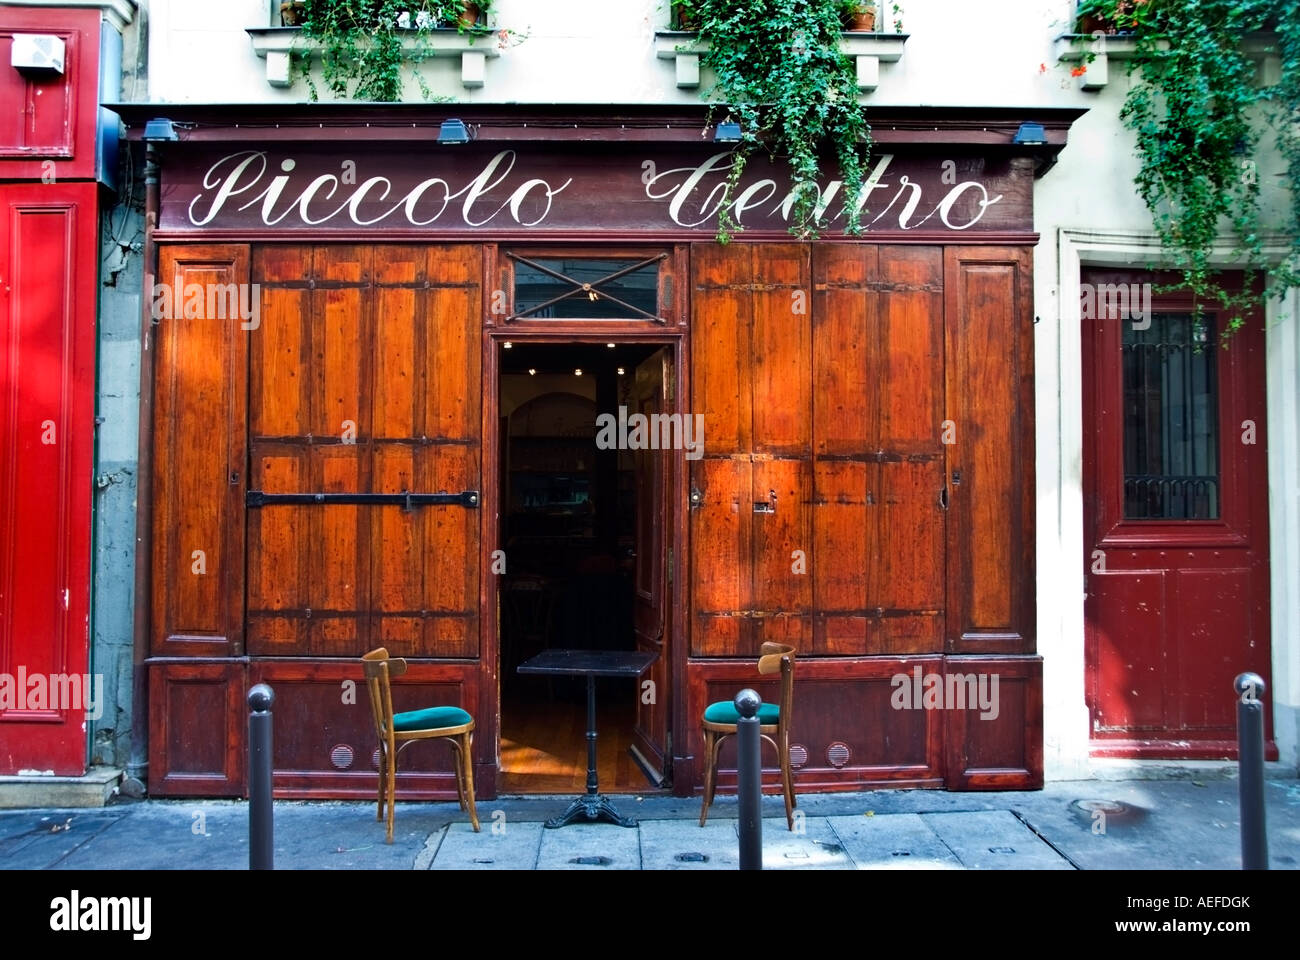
(654, 776)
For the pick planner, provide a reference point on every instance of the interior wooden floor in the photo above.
(544, 748)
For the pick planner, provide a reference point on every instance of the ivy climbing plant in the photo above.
(362, 42)
(1200, 113)
(781, 76)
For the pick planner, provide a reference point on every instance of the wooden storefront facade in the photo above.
(864, 491)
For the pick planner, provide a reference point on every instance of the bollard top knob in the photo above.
(1249, 683)
(260, 698)
(747, 703)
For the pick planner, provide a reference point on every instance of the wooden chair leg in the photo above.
(392, 794)
(794, 801)
(787, 782)
(707, 796)
(460, 771)
(467, 758)
(383, 778)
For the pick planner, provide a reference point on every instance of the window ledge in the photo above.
(276, 45)
(868, 49)
(1095, 50)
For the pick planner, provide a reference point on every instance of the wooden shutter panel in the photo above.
(990, 401)
(199, 455)
(877, 406)
(752, 355)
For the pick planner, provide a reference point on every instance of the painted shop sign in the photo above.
(528, 191)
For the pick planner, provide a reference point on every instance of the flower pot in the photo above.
(685, 19)
(292, 13)
(470, 15)
(864, 20)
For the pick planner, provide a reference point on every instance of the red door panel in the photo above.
(47, 355)
(1175, 518)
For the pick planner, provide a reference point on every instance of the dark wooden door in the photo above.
(364, 378)
(1175, 520)
(652, 394)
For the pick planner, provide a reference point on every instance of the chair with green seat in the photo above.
(721, 719)
(453, 723)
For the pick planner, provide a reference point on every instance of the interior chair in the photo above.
(452, 723)
(721, 719)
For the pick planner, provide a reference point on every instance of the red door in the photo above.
(47, 355)
(1176, 519)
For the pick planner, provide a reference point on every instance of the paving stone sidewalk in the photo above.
(1141, 825)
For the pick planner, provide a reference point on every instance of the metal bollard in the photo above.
(261, 827)
(1249, 688)
(750, 771)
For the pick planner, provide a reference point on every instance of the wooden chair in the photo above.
(453, 723)
(720, 721)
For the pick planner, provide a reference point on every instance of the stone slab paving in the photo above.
(953, 841)
(900, 841)
(994, 840)
(501, 846)
(590, 846)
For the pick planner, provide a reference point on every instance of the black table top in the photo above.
(595, 663)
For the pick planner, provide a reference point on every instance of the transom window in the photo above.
(586, 288)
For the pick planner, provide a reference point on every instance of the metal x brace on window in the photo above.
(590, 289)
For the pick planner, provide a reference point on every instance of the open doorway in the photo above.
(584, 527)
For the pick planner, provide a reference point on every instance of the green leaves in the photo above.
(362, 53)
(1198, 112)
(782, 76)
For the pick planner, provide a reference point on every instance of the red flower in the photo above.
(1079, 71)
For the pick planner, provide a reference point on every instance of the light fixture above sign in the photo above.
(453, 131)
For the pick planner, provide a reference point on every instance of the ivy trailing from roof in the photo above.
(1200, 112)
(781, 76)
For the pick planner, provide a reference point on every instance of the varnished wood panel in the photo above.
(877, 388)
(333, 755)
(197, 728)
(370, 382)
(1002, 752)
(990, 403)
(199, 457)
(839, 700)
(752, 356)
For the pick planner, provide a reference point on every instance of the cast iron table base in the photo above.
(591, 807)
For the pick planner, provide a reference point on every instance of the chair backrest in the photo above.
(379, 668)
(774, 657)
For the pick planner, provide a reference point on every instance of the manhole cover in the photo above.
(692, 857)
(341, 756)
(1111, 811)
(592, 861)
(1108, 807)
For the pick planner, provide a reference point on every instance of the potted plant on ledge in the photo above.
(859, 15)
(685, 14)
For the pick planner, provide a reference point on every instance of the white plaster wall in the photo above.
(959, 53)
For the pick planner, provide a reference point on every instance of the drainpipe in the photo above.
(137, 767)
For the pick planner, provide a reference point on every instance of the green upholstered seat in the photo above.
(724, 711)
(430, 718)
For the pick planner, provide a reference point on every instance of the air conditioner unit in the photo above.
(37, 53)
